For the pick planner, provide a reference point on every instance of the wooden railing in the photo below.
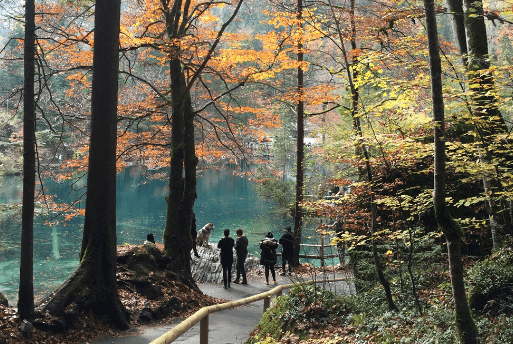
(321, 255)
(202, 315)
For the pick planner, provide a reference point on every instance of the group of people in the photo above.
(268, 256)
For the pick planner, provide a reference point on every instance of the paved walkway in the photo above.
(229, 326)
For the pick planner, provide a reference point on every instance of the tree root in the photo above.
(84, 291)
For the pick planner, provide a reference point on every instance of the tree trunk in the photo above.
(26, 290)
(361, 149)
(467, 329)
(298, 213)
(182, 181)
(93, 286)
(458, 27)
(470, 30)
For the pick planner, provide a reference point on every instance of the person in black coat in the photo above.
(226, 245)
(287, 251)
(268, 255)
(241, 247)
(194, 235)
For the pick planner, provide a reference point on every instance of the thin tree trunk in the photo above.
(410, 272)
(361, 149)
(26, 290)
(467, 329)
(298, 213)
(458, 26)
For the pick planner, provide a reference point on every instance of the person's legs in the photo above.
(289, 260)
(225, 276)
(229, 276)
(273, 273)
(243, 270)
(194, 249)
(283, 261)
(266, 274)
(237, 269)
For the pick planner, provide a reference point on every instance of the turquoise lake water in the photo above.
(226, 200)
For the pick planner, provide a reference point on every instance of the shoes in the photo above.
(275, 282)
(244, 282)
(225, 287)
(282, 274)
(267, 282)
(235, 281)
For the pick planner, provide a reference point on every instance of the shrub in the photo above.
(491, 283)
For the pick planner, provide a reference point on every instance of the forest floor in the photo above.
(151, 295)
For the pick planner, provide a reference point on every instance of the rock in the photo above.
(56, 326)
(145, 314)
(147, 289)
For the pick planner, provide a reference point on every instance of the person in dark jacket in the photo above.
(338, 226)
(194, 235)
(150, 239)
(226, 245)
(241, 247)
(268, 256)
(287, 251)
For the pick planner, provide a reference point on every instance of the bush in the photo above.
(301, 308)
(491, 283)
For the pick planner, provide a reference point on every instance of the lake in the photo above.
(225, 199)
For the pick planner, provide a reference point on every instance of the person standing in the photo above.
(268, 256)
(241, 247)
(194, 235)
(226, 245)
(287, 251)
(338, 226)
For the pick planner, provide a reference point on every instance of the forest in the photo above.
(392, 117)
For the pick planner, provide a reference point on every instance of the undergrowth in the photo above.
(311, 314)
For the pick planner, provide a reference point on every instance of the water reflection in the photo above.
(226, 200)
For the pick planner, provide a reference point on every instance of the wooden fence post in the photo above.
(267, 302)
(204, 330)
(322, 250)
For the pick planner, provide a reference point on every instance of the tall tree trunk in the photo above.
(470, 30)
(26, 290)
(94, 285)
(467, 329)
(298, 213)
(182, 181)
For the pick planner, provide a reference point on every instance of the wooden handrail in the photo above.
(203, 313)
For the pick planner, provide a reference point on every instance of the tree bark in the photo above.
(298, 213)
(93, 286)
(26, 289)
(458, 27)
(470, 30)
(182, 181)
(467, 329)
